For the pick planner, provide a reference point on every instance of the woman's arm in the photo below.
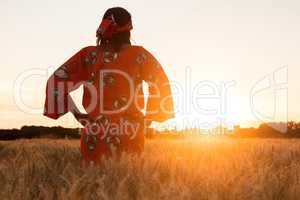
(64, 80)
(160, 101)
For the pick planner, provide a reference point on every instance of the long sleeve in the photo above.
(160, 101)
(64, 80)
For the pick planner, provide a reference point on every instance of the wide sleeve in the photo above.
(160, 100)
(64, 80)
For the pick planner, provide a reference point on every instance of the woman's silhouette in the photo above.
(112, 73)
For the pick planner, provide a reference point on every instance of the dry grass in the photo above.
(181, 169)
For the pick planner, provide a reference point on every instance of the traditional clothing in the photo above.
(113, 97)
(112, 74)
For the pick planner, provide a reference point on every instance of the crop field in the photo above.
(196, 168)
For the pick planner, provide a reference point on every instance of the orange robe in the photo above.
(113, 96)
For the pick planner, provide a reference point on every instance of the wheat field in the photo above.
(206, 168)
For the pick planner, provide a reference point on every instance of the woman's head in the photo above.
(114, 30)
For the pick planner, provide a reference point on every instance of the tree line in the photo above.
(266, 130)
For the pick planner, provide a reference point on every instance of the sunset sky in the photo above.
(253, 47)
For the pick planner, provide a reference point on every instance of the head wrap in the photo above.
(109, 27)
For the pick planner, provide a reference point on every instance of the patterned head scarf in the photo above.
(115, 20)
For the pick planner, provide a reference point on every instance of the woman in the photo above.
(111, 73)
